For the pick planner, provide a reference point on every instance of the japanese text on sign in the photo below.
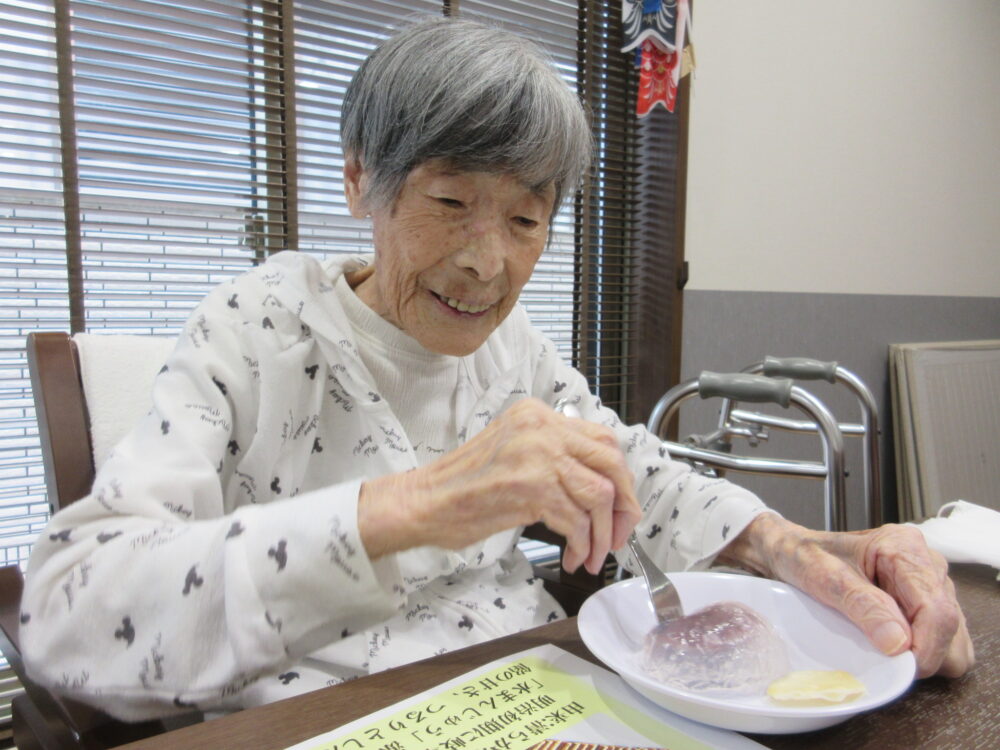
(509, 708)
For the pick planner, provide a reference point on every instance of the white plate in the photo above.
(614, 621)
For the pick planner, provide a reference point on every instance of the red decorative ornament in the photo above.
(657, 84)
(655, 32)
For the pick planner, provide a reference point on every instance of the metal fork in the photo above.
(662, 593)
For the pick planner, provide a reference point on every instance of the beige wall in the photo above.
(846, 147)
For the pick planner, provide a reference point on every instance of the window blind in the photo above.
(172, 156)
(33, 277)
(604, 344)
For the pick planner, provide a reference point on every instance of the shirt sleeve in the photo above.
(688, 518)
(155, 594)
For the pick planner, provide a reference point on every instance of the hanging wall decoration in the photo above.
(656, 30)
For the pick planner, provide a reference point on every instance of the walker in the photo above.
(771, 381)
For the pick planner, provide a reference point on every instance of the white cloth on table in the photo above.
(964, 533)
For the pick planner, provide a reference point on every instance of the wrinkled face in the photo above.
(452, 253)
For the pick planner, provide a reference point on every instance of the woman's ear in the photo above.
(355, 187)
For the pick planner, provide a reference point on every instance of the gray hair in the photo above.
(476, 97)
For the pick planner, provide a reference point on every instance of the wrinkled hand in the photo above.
(886, 580)
(530, 464)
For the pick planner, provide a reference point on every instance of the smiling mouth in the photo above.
(460, 305)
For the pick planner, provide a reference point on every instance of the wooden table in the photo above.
(935, 713)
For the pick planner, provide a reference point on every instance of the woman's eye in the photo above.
(524, 221)
(452, 202)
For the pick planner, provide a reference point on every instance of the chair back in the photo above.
(89, 391)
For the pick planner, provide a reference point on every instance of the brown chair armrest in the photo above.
(61, 409)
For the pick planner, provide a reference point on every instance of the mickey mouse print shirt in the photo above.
(217, 564)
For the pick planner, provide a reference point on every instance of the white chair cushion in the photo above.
(117, 372)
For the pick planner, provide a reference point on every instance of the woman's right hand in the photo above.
(530, 464)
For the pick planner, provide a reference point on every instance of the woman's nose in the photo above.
(483, 253)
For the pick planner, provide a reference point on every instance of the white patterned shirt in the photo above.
(217, 562)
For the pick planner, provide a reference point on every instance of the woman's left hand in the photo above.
(886, 580)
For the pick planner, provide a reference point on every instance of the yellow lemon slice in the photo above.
(812, 687)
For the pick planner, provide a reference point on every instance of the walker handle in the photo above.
(741, 386)
(800, 368)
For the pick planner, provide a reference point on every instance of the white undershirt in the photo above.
(419, 385)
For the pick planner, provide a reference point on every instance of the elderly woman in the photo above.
(342, 454)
